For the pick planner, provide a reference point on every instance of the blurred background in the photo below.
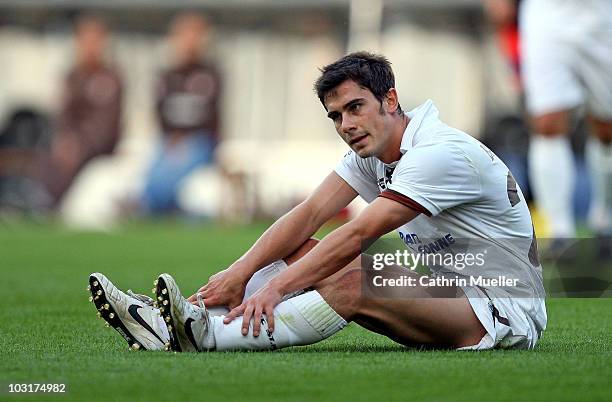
(118, 110)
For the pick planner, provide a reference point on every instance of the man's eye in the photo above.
(355, 107)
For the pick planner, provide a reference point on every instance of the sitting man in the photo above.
(445, 193)
(89, 123)
(187, 106)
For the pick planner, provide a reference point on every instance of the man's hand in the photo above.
(262, 301)
(225, 288)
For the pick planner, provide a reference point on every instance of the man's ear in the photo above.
(391, 101)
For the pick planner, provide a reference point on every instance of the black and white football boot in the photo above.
(187, 324)
(134, 316)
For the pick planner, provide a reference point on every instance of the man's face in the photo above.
(187, 37)
(90, 42)
(359, 118)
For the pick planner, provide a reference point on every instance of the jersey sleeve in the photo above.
(360, 174)
(434, 178)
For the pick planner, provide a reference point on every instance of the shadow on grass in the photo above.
(356, 348)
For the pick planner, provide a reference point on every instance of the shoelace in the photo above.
(142, 298)
(200, 300)
(202, 306)
(149, 301)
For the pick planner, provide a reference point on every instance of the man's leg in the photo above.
(269, 272)
(301, 319)
(439, 317)
(175, 159)
(552, 171)
(411, 315)
(551, 91)
(599, 158)
(264, 275)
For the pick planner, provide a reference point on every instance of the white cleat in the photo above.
(187, 324)
(132, 315)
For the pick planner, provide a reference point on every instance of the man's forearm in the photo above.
(343, 245)
(329, 256)
(281, 239)
(288, 233)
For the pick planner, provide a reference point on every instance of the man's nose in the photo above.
(348, 124)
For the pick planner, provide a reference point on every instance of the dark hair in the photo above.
(89, 20)
(368, 70)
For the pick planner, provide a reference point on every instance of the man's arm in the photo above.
(329, 256)
(290, 231)
(344, 244)
(285, 236)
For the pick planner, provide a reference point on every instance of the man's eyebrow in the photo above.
(346, 106)
(352, 102)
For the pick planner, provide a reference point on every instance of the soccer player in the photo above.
(567, 64)
(440, 188)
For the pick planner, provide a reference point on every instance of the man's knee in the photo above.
(350, 280)
(551, 124)
(344, 294)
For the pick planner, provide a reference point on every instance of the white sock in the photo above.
(263, 276)
(257, 281)
(599, 158)
(552, 171)
(301, 320)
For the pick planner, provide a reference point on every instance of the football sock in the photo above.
(599, 159)
(301, 320)
(263, 276)
(257, 281)
(552, 172)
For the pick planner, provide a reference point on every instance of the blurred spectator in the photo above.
(506, 131)
(504, 17)
(89, 120)
(22, 141)
(188, 114)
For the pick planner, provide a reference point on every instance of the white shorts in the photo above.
(566, 48)
(511, 323)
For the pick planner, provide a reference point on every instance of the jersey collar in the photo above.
(426, 112)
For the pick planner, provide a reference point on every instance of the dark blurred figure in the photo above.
(506, 131)
(89, 121)
(23, 140)
(503, 14)
(188, 113)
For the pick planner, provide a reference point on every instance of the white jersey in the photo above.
(470, 205)
(573, 20)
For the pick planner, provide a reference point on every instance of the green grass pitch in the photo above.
(49, 333)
